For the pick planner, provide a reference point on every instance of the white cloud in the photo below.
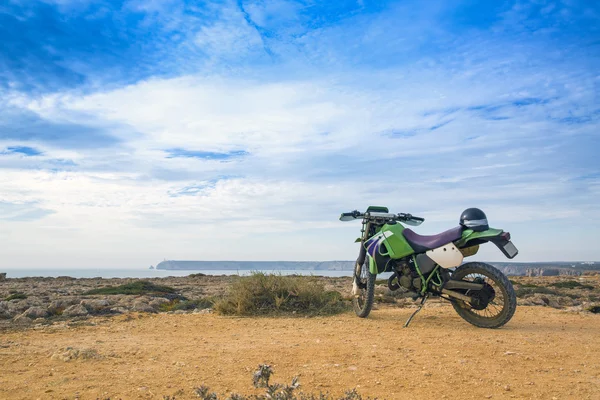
(320, 141)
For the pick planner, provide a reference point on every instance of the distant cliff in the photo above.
(552, 268)
(508, 268)
(257, 265)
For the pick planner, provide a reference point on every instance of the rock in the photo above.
(155, 303)
(143, 307)
(18, 306)
(552, 302)
(119, 310)
(203, 311)
(538, 300)
(35, 312)
(95, 305)
(75, 311)
(2, 276)
(71, 353)
(57, 307)
(4, 310)
(22, 320)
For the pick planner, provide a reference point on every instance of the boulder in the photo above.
(155, 303)
(22, 320)
(553, 302)
(143, 307)
(57, 307)
(35, 312)
(75, 311)
(19, 306)
(2, 276)
(5, 311)
(95, 305)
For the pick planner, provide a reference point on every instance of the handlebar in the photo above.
(379, 215)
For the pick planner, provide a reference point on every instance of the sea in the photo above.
(152, 273)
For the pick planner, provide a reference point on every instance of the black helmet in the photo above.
(475, 219)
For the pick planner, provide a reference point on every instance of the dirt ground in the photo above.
(541, 354)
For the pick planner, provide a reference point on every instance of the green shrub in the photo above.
(571, 285)
(594, 309)
(16, 296)
(261, 294)
(525, 285)
(134, 288)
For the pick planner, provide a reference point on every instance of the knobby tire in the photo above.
(465, 311)
(362, 306)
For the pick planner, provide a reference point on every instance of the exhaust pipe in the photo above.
(457, 295)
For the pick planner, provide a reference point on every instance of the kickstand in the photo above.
(418, 309)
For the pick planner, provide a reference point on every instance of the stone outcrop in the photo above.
(551, 272)
(75, 311)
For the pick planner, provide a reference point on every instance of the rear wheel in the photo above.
(365, 286)
(494, 305)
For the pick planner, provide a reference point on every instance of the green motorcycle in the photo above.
(431, 265)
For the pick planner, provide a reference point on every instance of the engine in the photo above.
(405, 274)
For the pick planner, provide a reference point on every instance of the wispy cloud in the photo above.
(22, 212)
(24, 150)
(205, 155)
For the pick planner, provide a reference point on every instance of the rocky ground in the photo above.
(27, 302)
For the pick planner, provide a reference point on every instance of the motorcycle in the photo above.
(433, 265)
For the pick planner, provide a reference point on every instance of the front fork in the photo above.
(356, 284)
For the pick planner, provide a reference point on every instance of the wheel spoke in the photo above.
(495, 306)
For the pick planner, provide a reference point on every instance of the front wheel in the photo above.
(363, 288)
(495, 304)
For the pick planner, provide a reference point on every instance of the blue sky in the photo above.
(133, 131)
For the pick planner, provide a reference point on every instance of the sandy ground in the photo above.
(542, 354)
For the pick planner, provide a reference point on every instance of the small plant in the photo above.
(135, 288)
(204, 393)
(274, 391)
(16, 296)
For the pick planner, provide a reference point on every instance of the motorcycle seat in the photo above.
(422, 243)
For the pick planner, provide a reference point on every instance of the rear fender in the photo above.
(471, 238)
(497, 236)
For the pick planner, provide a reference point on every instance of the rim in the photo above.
(363, 279)
(496, 305)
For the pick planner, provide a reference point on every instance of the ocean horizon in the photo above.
(152, 273)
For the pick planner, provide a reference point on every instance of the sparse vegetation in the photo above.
(135, 288)
(571, 285)
(16, 296)
(525, 291)
(261, 294)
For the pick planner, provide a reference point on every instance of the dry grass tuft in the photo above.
(263, 294)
